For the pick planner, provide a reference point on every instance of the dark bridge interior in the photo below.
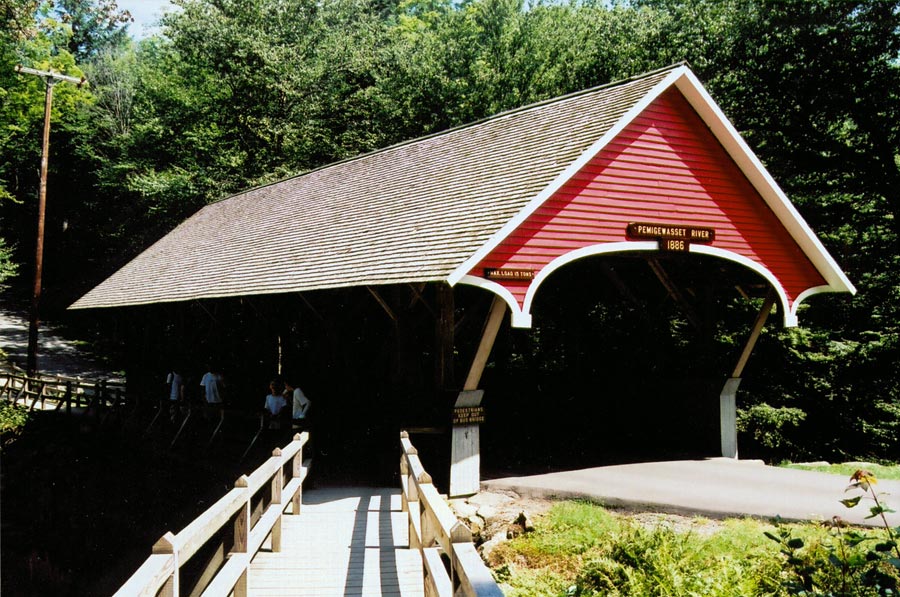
(623, 364)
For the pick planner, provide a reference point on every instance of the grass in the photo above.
(846, 469)
(580, 550)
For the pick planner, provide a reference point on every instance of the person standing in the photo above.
(300, 404)
(213, 385)
(275, 401)
(175, 383)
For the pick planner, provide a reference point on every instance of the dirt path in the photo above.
(57, 355)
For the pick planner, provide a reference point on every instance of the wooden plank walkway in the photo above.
(345, 542)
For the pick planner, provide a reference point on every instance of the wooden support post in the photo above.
(216, 559)
(488, 336)
(404, 477)
(465, 452)
(415, 513)
(430, 530)
(242, 534)
(166, 545)
(444, 338)
(277, 486)
(296, 471)
(728, 396)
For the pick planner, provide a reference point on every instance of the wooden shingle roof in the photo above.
(426, 210)
(408, 213)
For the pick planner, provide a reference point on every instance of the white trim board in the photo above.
(693, 91)
(521, 316)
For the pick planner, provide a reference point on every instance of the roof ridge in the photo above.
(460, 127)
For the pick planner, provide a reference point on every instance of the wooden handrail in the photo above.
(160, 570)
(434, 530)
(19, 386)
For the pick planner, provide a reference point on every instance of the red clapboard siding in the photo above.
(664, 167)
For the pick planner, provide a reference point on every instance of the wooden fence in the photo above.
(451, 564)
(60, 392)
(253, 509)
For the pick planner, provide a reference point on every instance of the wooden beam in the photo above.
(674, 292)
(383, 304)
(418, 298)
(311, 308)
(620, 285)
(754, 333)
(488, 336)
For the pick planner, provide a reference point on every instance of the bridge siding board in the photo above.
(345, 542)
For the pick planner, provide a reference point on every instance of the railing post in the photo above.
(429, 533)
(166, 545)
(460, 533)
(68, 397)
(95, 403)
(277, 486)
(296, 471)
(242, 534)
(404, 476)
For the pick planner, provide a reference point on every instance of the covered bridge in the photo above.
(648, 167)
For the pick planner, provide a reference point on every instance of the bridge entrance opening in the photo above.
(624, 363)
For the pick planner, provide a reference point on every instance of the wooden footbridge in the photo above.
(269, 537)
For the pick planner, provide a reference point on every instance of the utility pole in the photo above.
(50, 80)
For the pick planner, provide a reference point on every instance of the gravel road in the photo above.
(56, 355)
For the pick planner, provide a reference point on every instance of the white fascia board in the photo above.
(518, 317)
(565, 176)
(521, 316)
(762, 181)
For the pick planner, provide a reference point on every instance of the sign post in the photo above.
(465, 455)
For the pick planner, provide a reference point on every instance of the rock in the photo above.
(524, 521)
(495, 499)
(514, 530)
(475, 524)
(488, 547)
(487, 512)
(463, 508)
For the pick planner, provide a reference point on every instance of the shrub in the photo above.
(847, 562)
(12, 420)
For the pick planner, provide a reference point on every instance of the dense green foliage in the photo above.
(12, 421)
(580, 549)
(238, 93)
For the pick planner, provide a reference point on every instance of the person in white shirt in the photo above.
(213, 384)
(175, 384)
(300, 405)
(275, 401)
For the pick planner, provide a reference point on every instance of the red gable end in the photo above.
(664, 167)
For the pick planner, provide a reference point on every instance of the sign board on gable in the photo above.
(506, 273)
(672, 237)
